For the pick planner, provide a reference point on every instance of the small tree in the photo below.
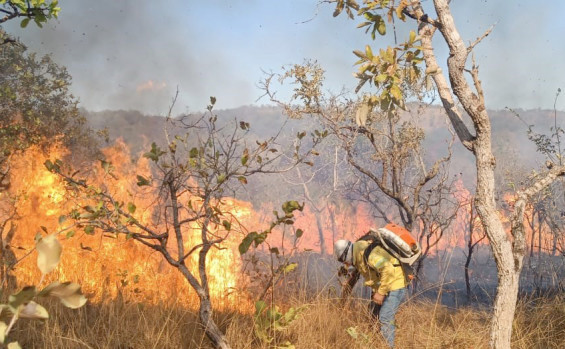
(191, 175)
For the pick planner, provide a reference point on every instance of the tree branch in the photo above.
(479, 39)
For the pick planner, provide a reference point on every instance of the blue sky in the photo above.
(126, 54)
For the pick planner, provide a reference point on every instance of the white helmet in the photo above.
(343, 251)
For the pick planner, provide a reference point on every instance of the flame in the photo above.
(108, 266)
(150, 85)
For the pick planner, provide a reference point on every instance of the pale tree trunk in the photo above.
(507, 254)
(320, 226)
(211, 329)
(8, 259)
(317, 213)
(213, 332)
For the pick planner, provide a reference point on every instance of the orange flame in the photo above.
(109, 266)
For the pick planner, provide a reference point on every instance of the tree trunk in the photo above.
(212, 330)
(320, 226)
(210, 327)
(470, 248)
(8, 259)
(532, 241)
(504, 309)
(331, 210)
(508, 254)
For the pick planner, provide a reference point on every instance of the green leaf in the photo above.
(70, 234)
(244, 160)
(49, 165)
(380, 25)
(260, 306)
(221, 178)
(154, 153)
(62, 219)
(226, 225)
(22, 297)
(339, 7)
(246, 242)
(396, 92)
(274, 250)
(369, 52)
(105, 165)
(290, 267)
(352, 331)
(89, 230)
(291, 206)
(299, 233)
(131, 207)
(359, 54)
(260, 238)
(48, 253)
(24, 22)
(292, 314)
(274, 313)
(381, 78)
(412, 37)
(242, 179)
(193, 153)
(399, 10)
(142, 181)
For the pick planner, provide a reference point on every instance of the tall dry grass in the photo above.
(540, 323)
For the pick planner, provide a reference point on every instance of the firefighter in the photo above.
(382, 273)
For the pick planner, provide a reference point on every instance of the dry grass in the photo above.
(540, 323)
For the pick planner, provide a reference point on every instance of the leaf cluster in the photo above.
(270, 320)
(391, 67)
(36, 105)
(23, 305)
(257, 238)
(40, 11)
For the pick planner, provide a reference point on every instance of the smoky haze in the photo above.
(134, 54)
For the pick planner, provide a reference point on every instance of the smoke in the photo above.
(219, 48)
(114, 49)
(519, 60)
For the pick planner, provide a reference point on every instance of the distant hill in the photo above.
(511, 145)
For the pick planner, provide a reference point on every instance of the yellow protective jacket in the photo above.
(382, 272)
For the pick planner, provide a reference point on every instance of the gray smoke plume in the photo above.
(132, 54)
